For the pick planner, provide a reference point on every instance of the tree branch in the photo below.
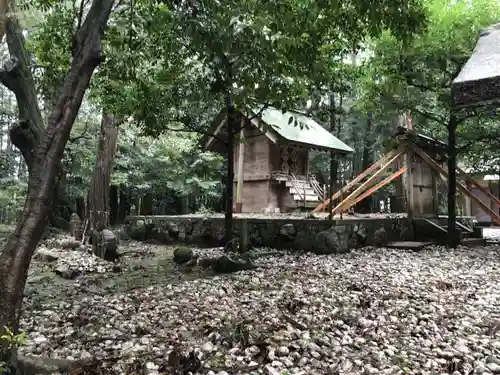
(81, 136)
(430, 116)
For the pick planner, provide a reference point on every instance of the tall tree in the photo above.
(46, 147)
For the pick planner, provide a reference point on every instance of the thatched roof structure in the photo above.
(478, 83)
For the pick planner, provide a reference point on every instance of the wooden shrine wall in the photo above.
(423, 189)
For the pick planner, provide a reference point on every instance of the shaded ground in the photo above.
(375, 311)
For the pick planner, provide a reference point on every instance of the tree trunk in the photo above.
(113, 205)
(45, 159)
(366, 204)
(453, 239)
(146, 204)
(228, 217)
(80, 207)
(124, 206)
(100, 185)
(28, 131)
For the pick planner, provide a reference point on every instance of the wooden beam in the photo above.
(460, 186)
(372, 190)
(408, 184)
(368, 182)
(468, 179)
(217, 131)
(358, 179)
(241, 165)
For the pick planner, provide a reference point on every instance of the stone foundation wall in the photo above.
(317, 235)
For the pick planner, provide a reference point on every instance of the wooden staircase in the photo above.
(306, 191)
(431, 229)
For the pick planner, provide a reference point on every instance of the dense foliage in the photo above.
(170, 67)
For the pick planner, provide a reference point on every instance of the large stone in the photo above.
(183, 255)
(334, 240)
(359, 236)
(66, 272)
(123, 235)
(105, 245)
(162, 235)
(173, 230)
(288, 232)
(380, 237)
(232, 263)
(137, 230)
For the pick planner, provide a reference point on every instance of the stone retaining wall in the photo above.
(317, 235)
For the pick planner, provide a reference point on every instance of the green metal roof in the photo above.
(311, 134)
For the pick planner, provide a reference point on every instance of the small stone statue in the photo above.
(76, 226)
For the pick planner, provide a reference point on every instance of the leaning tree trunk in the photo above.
(16, 75)
(99, 205)
(46, 157)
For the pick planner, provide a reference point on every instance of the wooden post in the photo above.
(453, 234)
(435, 193)
(408, 184)
(332, 184)
(468, 202)
(241, 159)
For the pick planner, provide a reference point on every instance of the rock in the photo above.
(183, 255)
(380, 237)
(173, 230)
(105, 245)
(493, 367)
(208, 347)
(48, 256)
(360, 236)
(288, 232)
(283, 351)
(229, 264)
(66, 272)
(161, 234)
(70, 244)
(332, 241)
(123, 235)
(137, 230)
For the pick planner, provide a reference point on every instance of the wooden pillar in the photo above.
(435, 193)
(467, 202)
(408, 184)
(241, 163)
(332, 184)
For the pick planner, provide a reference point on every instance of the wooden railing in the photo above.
(298, 188)
(318, 190)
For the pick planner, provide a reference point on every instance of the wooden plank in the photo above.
(408, 245)
(358, 179)
(437, 226)
(464, 227)
(471, 181)
(460, 186)
(372, 190)
(367, 183)
(408, 184)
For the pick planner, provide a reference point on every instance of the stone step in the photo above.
(309, 198)
(299, 183)
(473, 242)
(308, 191)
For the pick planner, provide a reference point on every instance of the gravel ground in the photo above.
(375, 311)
